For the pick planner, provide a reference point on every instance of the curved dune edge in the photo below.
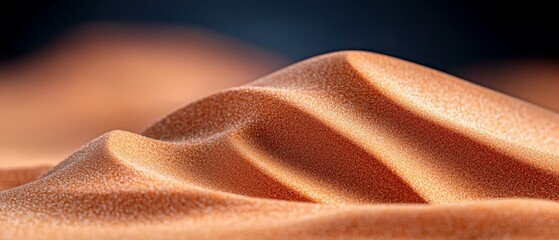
(351, 131)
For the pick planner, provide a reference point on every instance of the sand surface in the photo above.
(346, 145)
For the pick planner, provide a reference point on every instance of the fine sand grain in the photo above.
(347, 145)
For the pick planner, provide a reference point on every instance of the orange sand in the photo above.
(536, 81)
(104, 77)
(345, 145)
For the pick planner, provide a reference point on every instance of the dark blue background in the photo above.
(440, 34)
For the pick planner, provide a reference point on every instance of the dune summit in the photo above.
(344, 145)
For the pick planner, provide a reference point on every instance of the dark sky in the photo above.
(439, 34)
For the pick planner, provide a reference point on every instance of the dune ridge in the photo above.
(345, 145)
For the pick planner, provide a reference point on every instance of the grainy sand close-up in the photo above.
(346, 145)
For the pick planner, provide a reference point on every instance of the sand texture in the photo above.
(346, 145)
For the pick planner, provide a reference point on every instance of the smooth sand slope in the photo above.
(344, 145)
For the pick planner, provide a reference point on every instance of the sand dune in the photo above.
(344, 145)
